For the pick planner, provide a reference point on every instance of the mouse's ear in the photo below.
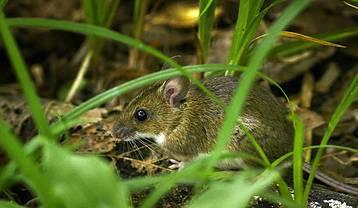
(175, 89)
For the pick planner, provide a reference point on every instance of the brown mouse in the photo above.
(184, 121)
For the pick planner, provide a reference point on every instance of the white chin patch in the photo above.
(159, 139)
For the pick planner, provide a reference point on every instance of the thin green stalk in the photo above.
(2, 4)
(139, 12)
(7, 204)
(298, 159)
(206, 22)
(350, 95)
(111, 11)
(243, 51)
(140, 9)
(89, 9)
(244, 30)
(101, 11)
(22, 75)
(240, 28)
(257, 146)
(37, 181)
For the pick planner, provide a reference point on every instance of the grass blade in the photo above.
(2, 4)
(16, 153)
(140, 9)
(248, 11)
(90, 11)
(109, 34)
(297, 159)
(8, 204)
(111, 11)
(206, 22)
(22, 75)
(228, 194)
(239, 31)
(350, 95)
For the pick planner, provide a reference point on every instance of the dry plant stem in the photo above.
(305, 38)
(306, 99)
(351, 5)
(307, 90)
(144, 163)
(81, 73)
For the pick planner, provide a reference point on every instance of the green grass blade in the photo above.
(206, 22)
(108, 34)
(2, 4)
(240, 28)
(297, 159)
(90, 179)
(257, 146)
(350, 95)
(249, 75)
(22, 75)
(90, 11)
(243, 51)
(139, 12)
(16, 153)
(248, 12)
(8, 204)
(8, 171)
(111, 12)
(100, 11)
(207, 6)
(140, 9)
(221, 194)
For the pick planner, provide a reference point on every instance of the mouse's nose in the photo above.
(122, 132)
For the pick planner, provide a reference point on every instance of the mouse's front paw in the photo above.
(176, 164)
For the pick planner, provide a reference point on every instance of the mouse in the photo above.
(184, 122)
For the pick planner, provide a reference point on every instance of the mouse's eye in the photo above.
(141, 115)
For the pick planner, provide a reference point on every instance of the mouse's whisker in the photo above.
(133, 147)
(150, 145)
(142, 141)
(138, 150)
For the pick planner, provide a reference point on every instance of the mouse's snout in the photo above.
(123, 132)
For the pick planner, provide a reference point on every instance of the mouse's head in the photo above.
(155, 111)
